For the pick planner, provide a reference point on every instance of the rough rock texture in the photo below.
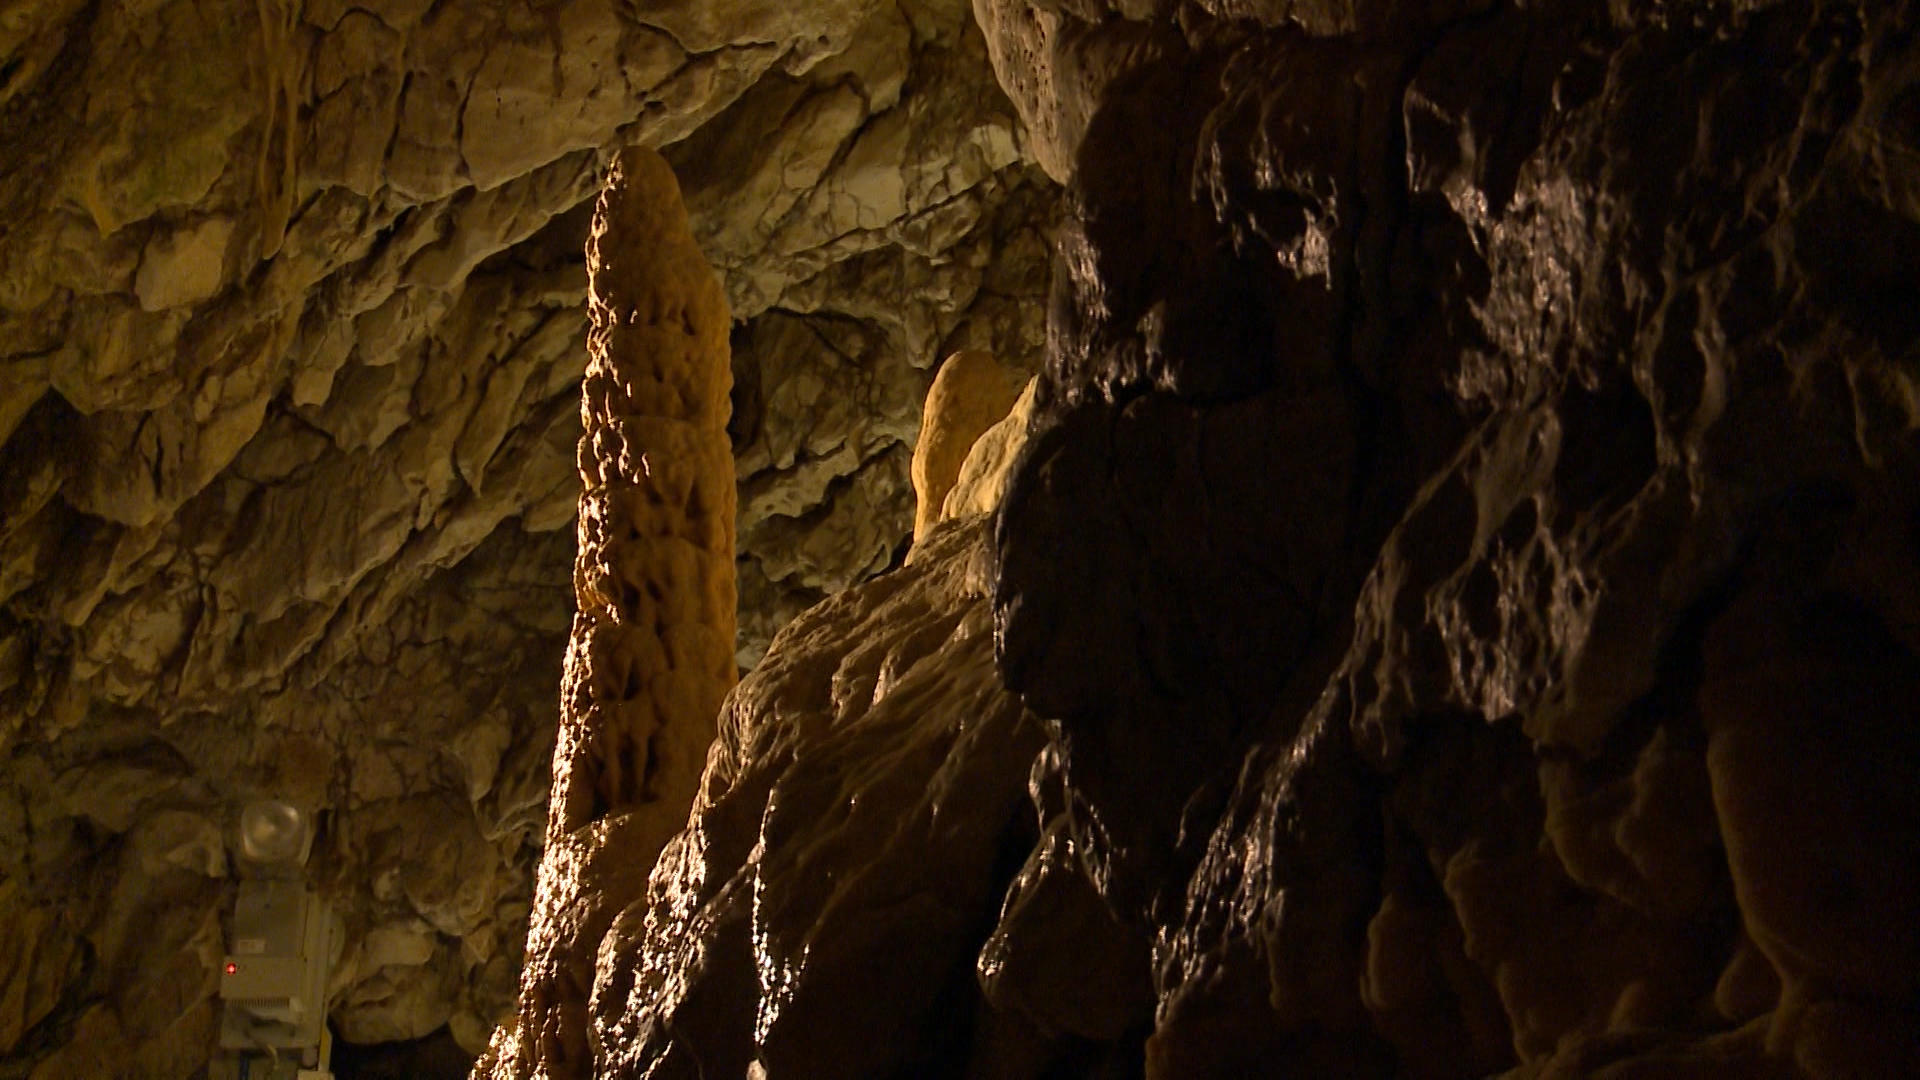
(864, 807)
(291, 336)
(651, 653)
(870, 217)
(1466, 555)
(982, 483)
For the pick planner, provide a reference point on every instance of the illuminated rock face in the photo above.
(970, 393)
(292, 321)
(863, 809)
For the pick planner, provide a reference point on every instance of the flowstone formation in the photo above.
(292, 309)
(1456, 611)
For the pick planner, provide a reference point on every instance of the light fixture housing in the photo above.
(275, 834)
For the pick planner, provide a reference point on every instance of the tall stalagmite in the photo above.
(651, 654)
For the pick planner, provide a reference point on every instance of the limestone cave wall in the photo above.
(292, 329)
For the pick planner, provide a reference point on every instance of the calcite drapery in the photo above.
(651, 654)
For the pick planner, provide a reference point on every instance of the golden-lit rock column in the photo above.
(971, 392)
(651, 656)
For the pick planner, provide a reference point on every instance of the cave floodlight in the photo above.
(282, 941)
(275, 834)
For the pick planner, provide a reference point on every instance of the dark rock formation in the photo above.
(1470, 544)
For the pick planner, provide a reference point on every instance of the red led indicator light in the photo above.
(233, 968)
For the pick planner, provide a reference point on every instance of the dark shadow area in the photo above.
(435, 1057)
